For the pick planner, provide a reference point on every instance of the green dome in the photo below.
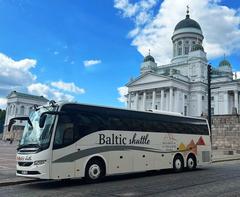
(149, 58)
(186, 23)
(197, 47)
(224, 63)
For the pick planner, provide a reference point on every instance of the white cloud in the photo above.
(220, 26)
(15, 74)
(137, 10)
(88, 63)
(123, 91)
(3, 103)
(69, 87)
(127, 8)
(39, 89)
(48, 92)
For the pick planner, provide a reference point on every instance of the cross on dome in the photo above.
(187, 16)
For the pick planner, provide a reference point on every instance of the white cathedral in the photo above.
(181, 86)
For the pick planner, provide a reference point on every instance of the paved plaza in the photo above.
(7, 159)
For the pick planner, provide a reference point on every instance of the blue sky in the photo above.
(86, 50)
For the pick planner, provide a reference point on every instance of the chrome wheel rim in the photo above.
(178, 164)
(94, 171)
(190, 163)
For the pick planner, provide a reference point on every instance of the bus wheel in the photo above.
(178, 163)
(94, 171)
(191, 162)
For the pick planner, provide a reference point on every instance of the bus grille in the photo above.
(27, 172)
(25, 163)
(206, 156)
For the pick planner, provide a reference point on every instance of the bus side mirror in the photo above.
(13, 120)
(42, 120)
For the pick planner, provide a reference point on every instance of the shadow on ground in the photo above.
(54, 184)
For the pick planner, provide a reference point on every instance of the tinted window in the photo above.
(88, 119)
(64, 134)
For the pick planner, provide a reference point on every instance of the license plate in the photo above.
(24, 172)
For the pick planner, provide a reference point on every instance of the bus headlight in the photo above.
(40, 162)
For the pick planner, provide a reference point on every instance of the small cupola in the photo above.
(225, 66)
(149, 58)
(149, 64)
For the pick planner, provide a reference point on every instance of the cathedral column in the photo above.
(170, 99)
(199, 104)
(183, 104)
(129, 100)
(136, 100)
(226, 110)
(182, 47)
(176, 100)
(153, 99)
(162, 97)
(236, 100)
(144, 101)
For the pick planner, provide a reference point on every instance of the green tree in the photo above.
(2, 119)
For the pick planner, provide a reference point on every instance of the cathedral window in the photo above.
(186, 50)
(212, 110)
(186, 47)
(185, 110)
(193, 43)
(179, 48)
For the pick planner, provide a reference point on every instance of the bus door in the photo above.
(63, 163)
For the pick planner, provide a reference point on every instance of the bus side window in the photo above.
(68, 136)
(64, 132)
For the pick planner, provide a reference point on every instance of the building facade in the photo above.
(19, 104)
(181, 85)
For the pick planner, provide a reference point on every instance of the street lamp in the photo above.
(209, 71)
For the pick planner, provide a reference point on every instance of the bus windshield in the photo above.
(34, 136)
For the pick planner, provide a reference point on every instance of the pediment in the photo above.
(149, 78)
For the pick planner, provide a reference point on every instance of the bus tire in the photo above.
(178, 163)
(191, 162)
(95, 170)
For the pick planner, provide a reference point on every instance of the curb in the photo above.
(226, 159)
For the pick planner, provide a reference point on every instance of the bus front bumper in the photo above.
(30, 170)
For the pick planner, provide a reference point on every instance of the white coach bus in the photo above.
(70, 140)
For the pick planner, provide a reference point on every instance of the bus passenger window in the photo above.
(63, 135)
(68, 136)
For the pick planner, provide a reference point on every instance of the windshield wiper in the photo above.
(28, 146)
